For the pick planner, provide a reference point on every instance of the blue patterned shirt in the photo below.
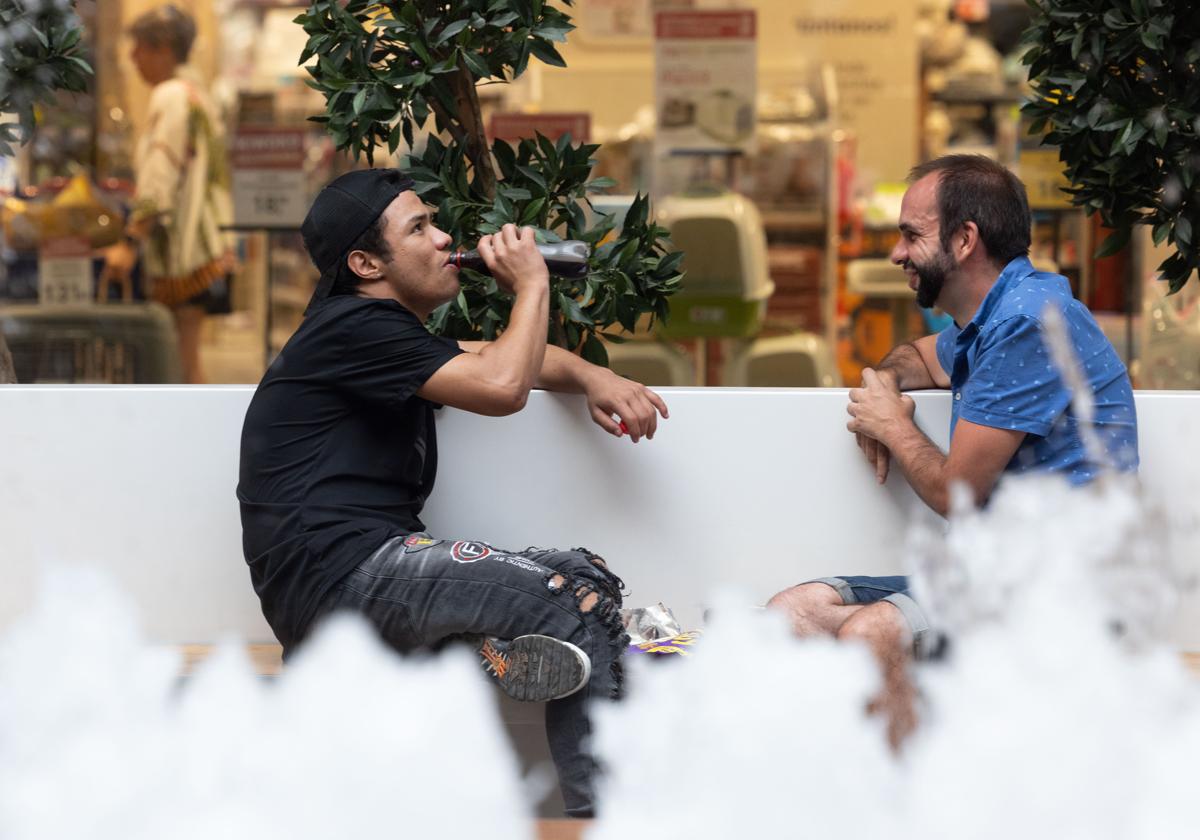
(1001, 375)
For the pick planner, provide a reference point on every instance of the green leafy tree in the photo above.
(40, 54)
(1117, 84)
(387, 68)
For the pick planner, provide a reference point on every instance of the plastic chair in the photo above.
(725, 290)
(799, 360)
(651, 363)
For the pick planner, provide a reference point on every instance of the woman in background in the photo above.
(181, 197)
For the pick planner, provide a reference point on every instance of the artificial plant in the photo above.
(40, 54)
(1117, 84)
(386, 68)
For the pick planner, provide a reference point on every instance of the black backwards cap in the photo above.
(341, 213)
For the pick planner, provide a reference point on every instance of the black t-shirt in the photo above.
(338, 452)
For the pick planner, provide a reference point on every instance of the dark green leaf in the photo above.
(534, 176)
(1113, 20)
(1116, 240)
(476, 64)
(452, 29)
(515, 193)
(547, 53)
(1183, 231)
(571, 309)
(594, 351)
(532, 211)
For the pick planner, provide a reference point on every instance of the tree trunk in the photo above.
(470, 117)
(8, 374)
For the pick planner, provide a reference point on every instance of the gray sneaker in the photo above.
(534, 668)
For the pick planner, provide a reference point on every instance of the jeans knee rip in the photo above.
(606, 610)
(614, 586)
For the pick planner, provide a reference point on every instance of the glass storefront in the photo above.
(816, 119)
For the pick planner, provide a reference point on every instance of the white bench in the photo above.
(754, 488)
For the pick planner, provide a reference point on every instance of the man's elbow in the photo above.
(959, 494)
(504, 399)
(939, 503)
(515, 400)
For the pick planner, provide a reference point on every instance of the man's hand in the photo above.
(634, 404)
(877, 454)
(876, 410)
(887, 378)
(513, 259)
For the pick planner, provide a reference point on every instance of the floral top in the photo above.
(183, 181)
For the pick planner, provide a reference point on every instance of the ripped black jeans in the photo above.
(422, 593)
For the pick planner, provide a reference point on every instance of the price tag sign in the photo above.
(705, 80)
(65, 272)
(269, 184)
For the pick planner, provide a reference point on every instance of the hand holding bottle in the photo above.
(511, 256)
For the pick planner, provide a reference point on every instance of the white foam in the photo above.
(97, 740)
(1043, 723)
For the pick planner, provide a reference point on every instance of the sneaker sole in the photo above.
(542, 668)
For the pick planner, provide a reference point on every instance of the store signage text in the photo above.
(705, 69)
(269, 184)
(65, 271)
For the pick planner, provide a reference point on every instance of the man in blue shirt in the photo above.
(964, 243)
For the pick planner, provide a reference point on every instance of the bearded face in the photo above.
(931, 276)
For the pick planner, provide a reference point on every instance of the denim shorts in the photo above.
(863, 589)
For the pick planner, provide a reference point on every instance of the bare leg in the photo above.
(883, 628)
(814, 609)
(188, 321)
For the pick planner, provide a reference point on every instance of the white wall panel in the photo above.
(756, 488)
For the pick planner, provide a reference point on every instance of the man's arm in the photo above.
(497, 380)
(978, 454)
(607, 393)
(914, 366)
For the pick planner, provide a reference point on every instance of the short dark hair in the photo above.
(167, 25)
(370, 240)
(973, 188)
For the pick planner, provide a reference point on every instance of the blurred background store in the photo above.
(780, 174)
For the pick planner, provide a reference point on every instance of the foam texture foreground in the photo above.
(99, 740)
(1059, 713)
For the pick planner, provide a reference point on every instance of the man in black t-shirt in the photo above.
(339, 453)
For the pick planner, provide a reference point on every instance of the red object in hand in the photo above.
(624, 428)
